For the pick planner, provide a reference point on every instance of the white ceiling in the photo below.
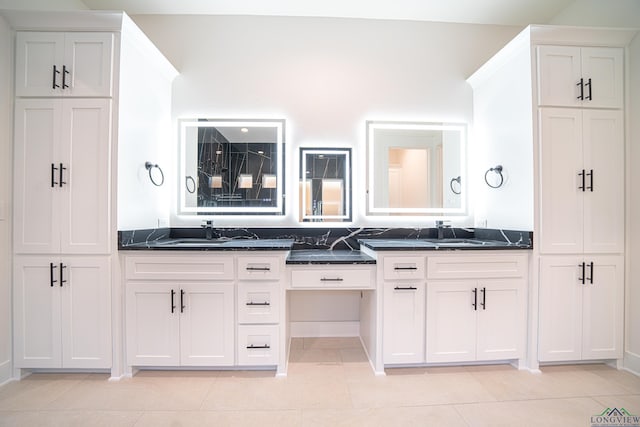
(501, 12)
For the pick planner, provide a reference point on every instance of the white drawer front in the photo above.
(258, 345)
(259, 268)
(405, 267)
(478, 266)
(332, 278)
(258, 303)
(192, 266)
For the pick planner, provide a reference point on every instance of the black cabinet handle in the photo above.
(329, 279)
(62, 169)
(55, 72)
(405, 268)
(51, 275)
(407, 288)
(64, 77)
(590, 175)
(250, 303)
(258, 346)
(62, 267)
(590, 278)
(581, 84)
(475, 299)
(53, 175)
(582, 279)
(484, 298)
(258, 269)
(588, 97)
(182, 306)
(582, 178)
(173, 306)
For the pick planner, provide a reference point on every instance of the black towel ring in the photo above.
(189, 179)
(497, 170)
(150, 166)
(459, 181)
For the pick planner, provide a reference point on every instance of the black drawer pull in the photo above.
(62, 267)
(405, 268)
(408, 288)
(51, 274)
(329, 279)
(258, 269)
(258, 346)
(258, 303)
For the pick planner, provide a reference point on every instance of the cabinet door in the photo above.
(560, 309)
(38, 124)
(501, 319)
(88, 62)
(559, 74)
(36, 312)
(84, 154)
(451, 321)
(36, 56)
(602, 68)
(206, 324)
(404, 323)
(64, 64)
(153, 324)
(571, 76)
(86, 312)
(561, 199)
(603, 308)
(603, 144)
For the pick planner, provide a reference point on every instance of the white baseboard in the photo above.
(632, 362)
(325, 329)
(6, 373)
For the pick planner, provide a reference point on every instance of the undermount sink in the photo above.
(192, 241)
(458, 242)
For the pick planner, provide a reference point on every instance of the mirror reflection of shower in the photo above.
(238, 165)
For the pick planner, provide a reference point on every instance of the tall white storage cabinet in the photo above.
(570, 101)
(68, 124)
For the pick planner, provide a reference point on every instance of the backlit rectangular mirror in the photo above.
(325, 184)
(231, 167)
(415, 168)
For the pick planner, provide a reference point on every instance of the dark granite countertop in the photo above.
(441, 244)
(195, 244)
(320, 256)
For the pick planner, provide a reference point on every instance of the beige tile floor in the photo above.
(329, 384)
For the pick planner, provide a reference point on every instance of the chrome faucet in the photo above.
(208, 229)
(441, 225)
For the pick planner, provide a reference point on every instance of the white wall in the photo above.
(600, 13)
(6, 114)
(43, 4)
(325, 76)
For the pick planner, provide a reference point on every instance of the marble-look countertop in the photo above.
(319, 256)
(195, 244)
(440, 244)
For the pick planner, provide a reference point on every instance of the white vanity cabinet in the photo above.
(582, 181)
(476, 307)
(581, 307)
(62, 191)
(259, 309)
(62, 312)
(574, 76)
(403, 291)
(180, 310)
(78, 64)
